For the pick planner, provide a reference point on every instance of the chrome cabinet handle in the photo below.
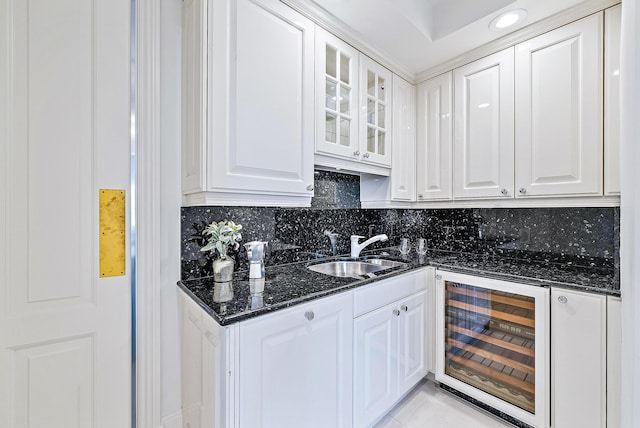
(310, 187)
(522, 190)
(396, 312)
(356, 153)
(366, 155)
(504, 191)
(309, 315)
(404, 308)
(562, 299)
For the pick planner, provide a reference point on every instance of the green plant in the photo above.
(222, 236)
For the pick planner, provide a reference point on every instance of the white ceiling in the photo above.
(420, 34)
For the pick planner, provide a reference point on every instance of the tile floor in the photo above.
(429, 406)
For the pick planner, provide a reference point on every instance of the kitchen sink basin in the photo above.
(386, 263)
(350, 268)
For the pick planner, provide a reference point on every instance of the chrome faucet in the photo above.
(356, 248)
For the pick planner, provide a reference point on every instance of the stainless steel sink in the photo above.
(350, 268)
(388, 264)
(345, 268)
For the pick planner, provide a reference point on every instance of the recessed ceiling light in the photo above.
(507, 19)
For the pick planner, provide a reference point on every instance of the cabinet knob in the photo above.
(366, 155)
(396, 312)
(310, 187)
(309, 315)
(420, 195)
(522, 190)
(562, 299)
(404, 308)
(438, 277)
(504, 191)
(356, 153)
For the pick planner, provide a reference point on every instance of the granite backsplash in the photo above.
(586, 237)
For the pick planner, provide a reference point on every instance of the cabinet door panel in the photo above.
(336, 92)
(375, 365)
(403, 169)
(261, 99)
(296, 371)
(412, 342)
(375, 116)
(559, 111)
(434, 139)
(483, 133)
(578, 359)
(612, 101)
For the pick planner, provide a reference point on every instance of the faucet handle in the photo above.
(356, 238)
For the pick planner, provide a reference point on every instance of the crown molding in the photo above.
(558, 20)
(336, 27)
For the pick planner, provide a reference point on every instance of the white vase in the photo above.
(222, 270)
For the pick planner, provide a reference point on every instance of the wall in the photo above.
(582, 236)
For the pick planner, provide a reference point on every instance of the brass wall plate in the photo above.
(113, 234)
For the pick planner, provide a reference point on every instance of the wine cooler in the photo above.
(493, 343)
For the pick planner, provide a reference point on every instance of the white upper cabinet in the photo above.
(403, 165)
(248, 103)
(353, 108)
(483, 130)
(434, 145)
(376, 106)
(336, 91)
(559, 111)
(612, 101)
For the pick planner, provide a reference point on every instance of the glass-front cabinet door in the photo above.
(375, 123)
(493, 343)
(337, 103)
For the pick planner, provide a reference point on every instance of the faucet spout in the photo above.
(357, 248)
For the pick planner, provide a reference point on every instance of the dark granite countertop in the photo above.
(291, 284)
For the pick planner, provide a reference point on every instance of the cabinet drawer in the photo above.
(380, 293)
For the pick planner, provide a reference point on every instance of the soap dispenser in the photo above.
(255, 254)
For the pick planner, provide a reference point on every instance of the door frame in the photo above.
(146, 209)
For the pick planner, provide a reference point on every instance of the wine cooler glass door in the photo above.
(493, 343)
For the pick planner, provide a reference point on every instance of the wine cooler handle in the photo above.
(562, 299)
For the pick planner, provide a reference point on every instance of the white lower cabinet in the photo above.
(614, 361)
(295, 366)
(389, 344)
(578, 359)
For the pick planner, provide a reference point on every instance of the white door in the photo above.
(65, 354)
(375, 366)
(403, 170)
(483, 130)
(295, 366)
(434, 139)
(260, 99)
(375, 116)
(337, 96)
(559, 111)
(578, 346)
(612, 21)
(412, 356)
